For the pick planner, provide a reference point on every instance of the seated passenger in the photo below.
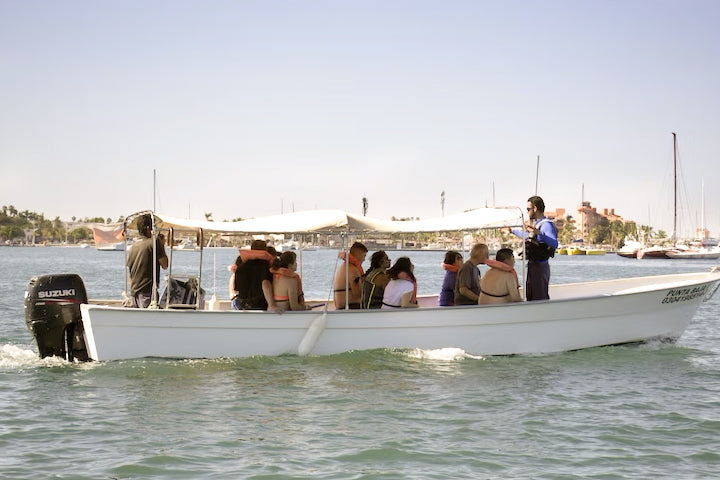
(401, 291)
(253, 280)
(500, 283)
(375, 280)
(451, 265)
(287, 286)
(467, 286)
(347, 290)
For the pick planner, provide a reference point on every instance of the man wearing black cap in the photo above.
(140, 263)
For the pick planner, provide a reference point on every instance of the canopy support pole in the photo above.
(201, 240)
(346, 248)
(154, 296)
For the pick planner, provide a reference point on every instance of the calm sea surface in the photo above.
(648, 411)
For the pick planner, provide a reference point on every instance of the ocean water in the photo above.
(642, 411)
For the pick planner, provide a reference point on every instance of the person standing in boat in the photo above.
(451, 265)
(140, 263)
(253, 280)
(401, 291)
(375, 280)
(541, 241)
(347, 287)
(500, 283)
(467, 285)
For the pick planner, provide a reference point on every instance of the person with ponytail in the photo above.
(287, 286)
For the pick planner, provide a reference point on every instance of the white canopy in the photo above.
(331, 221)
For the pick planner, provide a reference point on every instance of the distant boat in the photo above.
(654, 252)
(698, 250)
(109, 238)
(594, 251)
(186, 244)
(575, 251)
(630, 249)
(699, 254)
(110, 247)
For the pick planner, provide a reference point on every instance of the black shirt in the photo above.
(249, 277)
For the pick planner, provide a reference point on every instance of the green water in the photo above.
(644, 411)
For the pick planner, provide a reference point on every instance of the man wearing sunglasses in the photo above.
(540, 243)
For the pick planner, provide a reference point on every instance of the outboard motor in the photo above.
(52, 314)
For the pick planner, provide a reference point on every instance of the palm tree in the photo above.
(568, 231)
(58, 229)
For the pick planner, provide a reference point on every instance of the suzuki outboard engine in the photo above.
(52, 313)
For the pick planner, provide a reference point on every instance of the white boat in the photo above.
(110, 247)
(578, 315)
(186, 244)
(699, 254)
(630, 248)
(699, 249)
(659, 251)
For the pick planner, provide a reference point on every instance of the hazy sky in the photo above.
(246, 107)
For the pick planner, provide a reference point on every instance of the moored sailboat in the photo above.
(700, 253)
(698, 250)
(662, 251)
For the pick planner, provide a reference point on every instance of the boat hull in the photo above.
(654, 253)
(694, 255)
(579, 316)
(111, 247)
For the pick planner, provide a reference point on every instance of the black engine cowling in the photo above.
(52, 313)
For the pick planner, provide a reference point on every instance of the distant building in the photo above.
(558, 216)
(588, 217)
(702, 234)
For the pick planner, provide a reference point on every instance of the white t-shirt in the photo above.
(394, 292)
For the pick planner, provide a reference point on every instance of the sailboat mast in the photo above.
(674, 237)
(702, 212)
